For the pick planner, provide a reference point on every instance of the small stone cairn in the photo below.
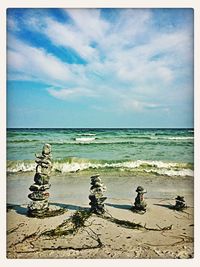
(140, 204)
(39, 196)
(180, 203)
(96, 197)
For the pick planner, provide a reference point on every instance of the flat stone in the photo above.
(44, 164)
(38, 205)
(38, 195)
(36, 187)
(46, 149)
(43, 170)
(95, 180)
(41, 179)
(95, 176)
(43, 157)
(96, 187)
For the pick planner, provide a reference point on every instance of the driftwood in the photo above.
(159, 228)
(60, 248)
(15, 228)
(34, 234)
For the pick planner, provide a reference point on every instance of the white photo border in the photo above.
(4, 4)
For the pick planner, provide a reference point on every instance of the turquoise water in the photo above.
(150, 151)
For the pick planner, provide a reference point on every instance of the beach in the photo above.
(166, 233)
(159, 160)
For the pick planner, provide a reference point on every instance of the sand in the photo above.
(165, 233)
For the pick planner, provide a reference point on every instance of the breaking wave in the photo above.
(181, 138)
(71, 165)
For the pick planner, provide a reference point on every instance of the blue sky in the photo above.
(100, 68)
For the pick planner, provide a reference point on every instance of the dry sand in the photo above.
(102, 236)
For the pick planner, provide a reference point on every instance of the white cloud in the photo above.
(36, 62)
(67, 36)
(89, 22)
(141, 106)
(125, 58)
(70, 93)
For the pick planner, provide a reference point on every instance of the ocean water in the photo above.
(137, 151)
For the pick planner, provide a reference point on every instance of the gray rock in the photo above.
(140, 203)
(180, 203)
(39, 195)
(36, 187)
(46, 149)
(41, 179)
(38, 205)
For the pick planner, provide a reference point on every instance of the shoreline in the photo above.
(119, 185)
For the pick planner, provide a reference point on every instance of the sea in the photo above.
(163, 152)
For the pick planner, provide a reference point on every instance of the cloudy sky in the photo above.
(100, 67)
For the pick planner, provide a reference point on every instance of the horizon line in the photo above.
(99, 128)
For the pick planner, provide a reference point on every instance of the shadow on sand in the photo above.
(124, 207)
(69, 206)
(20, 209)
(169, 206)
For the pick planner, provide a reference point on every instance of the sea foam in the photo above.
(139, 166)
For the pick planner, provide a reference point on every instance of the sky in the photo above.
(96, 68)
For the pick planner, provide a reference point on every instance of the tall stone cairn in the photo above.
(39, 196)
(96, 197)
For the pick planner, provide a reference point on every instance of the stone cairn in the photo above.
(140, 204)
(39, 196)
(96, 197)
(180, 203)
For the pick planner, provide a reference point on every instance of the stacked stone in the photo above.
(39, 196)
(140, 204)
(180, 203)
(96, 197)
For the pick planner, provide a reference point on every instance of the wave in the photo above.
(181, 138)
(24, 141)
(90, 140)
(70, 165)
(20, 166)
(85, 139)
(86, 134)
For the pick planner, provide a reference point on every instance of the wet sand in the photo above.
(164, 233)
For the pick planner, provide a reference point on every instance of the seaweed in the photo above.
(123, 223)
(132, 225)
(73, 224)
